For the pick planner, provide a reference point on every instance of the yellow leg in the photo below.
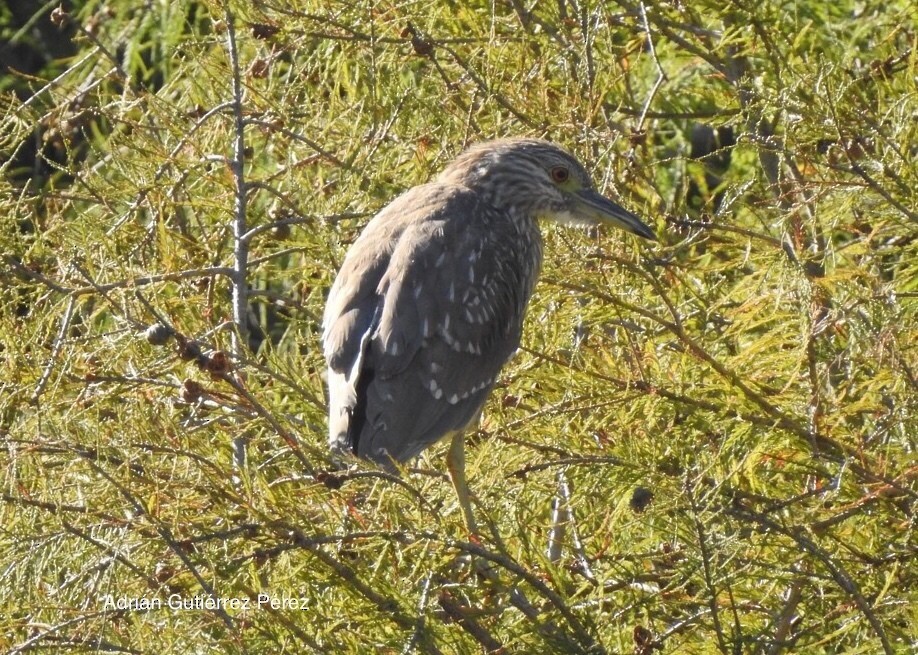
(455, 464)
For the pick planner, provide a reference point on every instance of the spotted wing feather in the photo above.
(426, 310)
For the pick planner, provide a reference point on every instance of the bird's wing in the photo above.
(417, 343)
(352, 299)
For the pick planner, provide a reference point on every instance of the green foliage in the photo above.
(732, 411)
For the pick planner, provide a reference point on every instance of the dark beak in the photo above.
(600, 209)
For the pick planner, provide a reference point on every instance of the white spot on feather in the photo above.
(435, 389)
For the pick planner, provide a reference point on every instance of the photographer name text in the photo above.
(177, 602)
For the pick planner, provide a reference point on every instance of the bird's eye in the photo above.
(560, 174)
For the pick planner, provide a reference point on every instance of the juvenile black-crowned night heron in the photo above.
(430, 300)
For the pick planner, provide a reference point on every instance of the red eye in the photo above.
(560, 174)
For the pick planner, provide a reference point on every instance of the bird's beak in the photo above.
(596, 207)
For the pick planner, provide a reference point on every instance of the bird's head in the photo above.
(539, 179)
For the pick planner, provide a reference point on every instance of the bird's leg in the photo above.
(455, 464)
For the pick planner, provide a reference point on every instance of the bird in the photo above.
(430, 299)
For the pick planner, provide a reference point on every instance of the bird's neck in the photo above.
(529, 246)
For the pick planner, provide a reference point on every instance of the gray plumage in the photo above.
(430, 300)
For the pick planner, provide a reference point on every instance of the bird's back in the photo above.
(426, 309)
